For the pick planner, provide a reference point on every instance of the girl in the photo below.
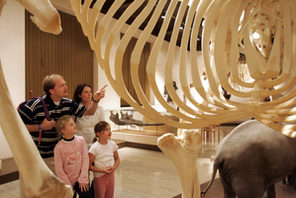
(106, 159)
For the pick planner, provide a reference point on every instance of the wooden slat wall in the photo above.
(142, 71)
(67, 54)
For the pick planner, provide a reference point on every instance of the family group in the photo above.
(72, 137)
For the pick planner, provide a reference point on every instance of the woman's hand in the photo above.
(100, 94)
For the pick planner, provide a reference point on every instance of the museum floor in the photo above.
(142, 174)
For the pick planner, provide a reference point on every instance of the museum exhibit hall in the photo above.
(173, 98)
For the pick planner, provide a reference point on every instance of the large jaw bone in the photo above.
(183, 152)
(39, 180)
(45, 16)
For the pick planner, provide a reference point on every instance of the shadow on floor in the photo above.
(216, 190)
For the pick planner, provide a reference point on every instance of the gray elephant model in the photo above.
(251, 159)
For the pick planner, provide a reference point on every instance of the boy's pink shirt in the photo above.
(71, 161)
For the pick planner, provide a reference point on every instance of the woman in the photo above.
(85, 125)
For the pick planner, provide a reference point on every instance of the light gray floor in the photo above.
(142, 174)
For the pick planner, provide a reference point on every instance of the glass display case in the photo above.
(128, 120)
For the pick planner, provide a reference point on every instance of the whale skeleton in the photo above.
(260, 31)
(248, 49)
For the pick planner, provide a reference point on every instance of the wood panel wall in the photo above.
(142, 71)
(67, 54)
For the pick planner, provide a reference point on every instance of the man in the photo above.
(41, 129)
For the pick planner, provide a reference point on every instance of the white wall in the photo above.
(111, 100)
(12, 55)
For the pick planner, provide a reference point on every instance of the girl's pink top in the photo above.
(71, 161)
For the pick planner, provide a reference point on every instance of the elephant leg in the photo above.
(228, 191)
(246, 187)
(292, 180)
(270, 193)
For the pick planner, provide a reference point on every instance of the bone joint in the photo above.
(183, 151)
